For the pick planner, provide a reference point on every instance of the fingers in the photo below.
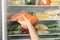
(19, 21)
(24, 17)
(26, 20)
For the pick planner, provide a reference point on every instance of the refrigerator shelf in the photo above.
(42, 20)
(33, 5)
(50, 20)
(52, 34)
(42, 39)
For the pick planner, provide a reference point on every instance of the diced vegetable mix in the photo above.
(15, 28)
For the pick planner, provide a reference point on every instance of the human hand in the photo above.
(25, 22)
(32, 31)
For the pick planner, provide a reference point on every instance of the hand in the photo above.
(32, 31)
(24, 23)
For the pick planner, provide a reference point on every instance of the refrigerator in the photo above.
(48, 15)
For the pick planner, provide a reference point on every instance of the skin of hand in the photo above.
(31, 29)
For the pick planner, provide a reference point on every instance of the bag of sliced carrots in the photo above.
(44, 2)
(31, 18)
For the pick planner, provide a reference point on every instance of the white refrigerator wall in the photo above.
(0, 21)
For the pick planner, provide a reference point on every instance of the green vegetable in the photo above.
(57, 28)
(28, 0)
(10, 32)
(32, 13)
(17, 32)
(15, 28)
(52, 26)
(19, 27)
